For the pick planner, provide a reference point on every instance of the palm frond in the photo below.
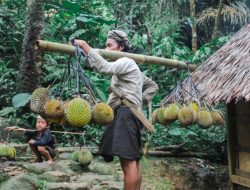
(206, 16)
(235, 13)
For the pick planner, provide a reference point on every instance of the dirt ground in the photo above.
(158, 173)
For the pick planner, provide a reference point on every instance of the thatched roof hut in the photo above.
(225, 76)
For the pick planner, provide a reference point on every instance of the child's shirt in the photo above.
(42, 138)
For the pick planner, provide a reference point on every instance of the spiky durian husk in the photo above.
(186, 116)
(102, 114)
(8, 152)
(160, 116)
(204, 118)
(54, 109)
(60, 120)
(194, 106)
(171, 112)
(38, 99)
(75, 156)
(78, 112)
(154, 116)
(85, 157)
(217, 117)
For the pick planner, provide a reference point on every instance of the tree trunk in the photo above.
(170, 147)
(194, 29)
(217, 22)
(31, 60)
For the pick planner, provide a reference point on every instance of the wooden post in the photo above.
(114, 55)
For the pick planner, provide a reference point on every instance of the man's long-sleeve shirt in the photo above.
(126, 77)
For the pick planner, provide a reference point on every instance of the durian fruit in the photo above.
(102, 114)
(3, 151)
(160, 116)
(11, 153)
(171, 112)
(154, 116)
(60, 120)
(204, 118)
(203, 108)
(78, 112)
(85, 157)
(217, 117)
(38, 99)
(65, 105)
(194, 117)
(54, 108)
(187, 116)
(195, 106)
(75, 156)
(8, 152)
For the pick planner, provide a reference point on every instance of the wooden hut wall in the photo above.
(239, 142)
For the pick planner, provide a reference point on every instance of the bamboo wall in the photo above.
(239, 144)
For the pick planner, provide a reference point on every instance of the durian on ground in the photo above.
(75, 156)
(8, 152)
(85, 157)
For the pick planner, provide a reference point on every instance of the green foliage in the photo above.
(7, 83)
(11, 34)
(3, 176)
(212, 140)
(42, 185)
(208, 49)
(8, 110)
(159, 28)
(93, 134)
(20, 100)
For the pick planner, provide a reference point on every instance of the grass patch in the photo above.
(153, 175)
(3, 177)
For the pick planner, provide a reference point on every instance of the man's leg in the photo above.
(34, 149)
(132, 174)
(139, 175)
(42, 150)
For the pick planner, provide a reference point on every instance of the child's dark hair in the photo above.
(40, 117)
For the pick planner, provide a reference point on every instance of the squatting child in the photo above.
(41, 142)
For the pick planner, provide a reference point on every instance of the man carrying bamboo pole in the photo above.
(122, 137)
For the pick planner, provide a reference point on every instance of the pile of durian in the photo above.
(188, 114)
(76, 112)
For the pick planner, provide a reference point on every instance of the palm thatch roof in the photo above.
(225, 76)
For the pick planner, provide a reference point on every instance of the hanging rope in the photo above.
(81, 55)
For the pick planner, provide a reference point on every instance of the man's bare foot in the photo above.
(50, 161)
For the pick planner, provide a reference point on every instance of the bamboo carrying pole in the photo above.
(114, 55)
(63, 132)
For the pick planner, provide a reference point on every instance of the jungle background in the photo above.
(183, 30)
